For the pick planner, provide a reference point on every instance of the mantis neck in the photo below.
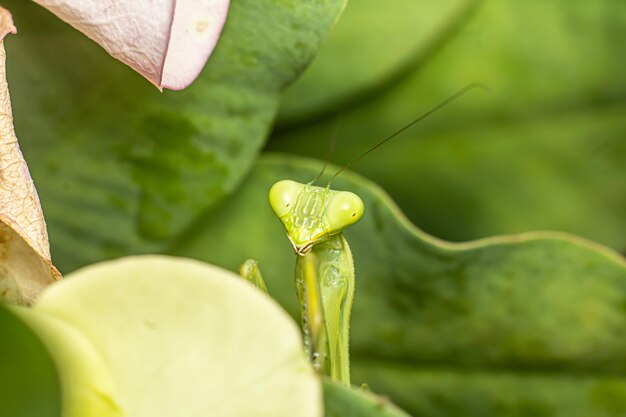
(325, 285)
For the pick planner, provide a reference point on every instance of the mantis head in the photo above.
(313, 214)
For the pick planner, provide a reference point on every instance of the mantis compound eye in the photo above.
(344, 209)
(283, 196)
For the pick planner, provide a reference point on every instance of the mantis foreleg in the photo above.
(335, 274)
(325, 288)
(251, 272)
(312, 310)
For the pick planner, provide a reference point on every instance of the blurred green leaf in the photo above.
(123, 168)
(486, 328)
(544, 150)
(374, 43)
(29, 384)
(341, 401)
(440, 391)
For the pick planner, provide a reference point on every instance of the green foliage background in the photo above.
(526, 325)
(544, 151)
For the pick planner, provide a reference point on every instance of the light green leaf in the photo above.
(179, 337)
(137, 166)
(544, 150)
(516, 315)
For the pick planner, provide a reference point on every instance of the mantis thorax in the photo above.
(313, 214)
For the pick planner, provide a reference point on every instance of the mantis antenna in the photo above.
(439, 106)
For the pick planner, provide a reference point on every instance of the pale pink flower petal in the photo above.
(167, 41)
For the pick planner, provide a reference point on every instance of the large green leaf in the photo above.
(123, 168)
(503, 326)
(544, 150)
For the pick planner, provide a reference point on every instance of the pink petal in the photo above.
(166, 41)
(197, 26)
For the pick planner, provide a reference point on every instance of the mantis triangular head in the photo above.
(313, 214)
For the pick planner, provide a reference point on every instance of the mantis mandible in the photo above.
(314, 219)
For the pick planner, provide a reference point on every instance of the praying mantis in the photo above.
(314, 218)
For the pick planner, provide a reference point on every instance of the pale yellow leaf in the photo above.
(174, 337)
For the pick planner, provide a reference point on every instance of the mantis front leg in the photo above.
(312, 310)
(325, 287)
(326, 276)
(250, 271)
(311, 306)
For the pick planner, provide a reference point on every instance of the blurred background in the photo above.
(545, 150)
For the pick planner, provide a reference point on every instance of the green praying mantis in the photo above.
(314, 218)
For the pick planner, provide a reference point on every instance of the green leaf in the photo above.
(489, 328)
(544, 150)
(178, 337)
(341, 401)
(28, 378)
(135, 166)
(373, 44)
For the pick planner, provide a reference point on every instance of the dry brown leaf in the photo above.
(25, 265)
